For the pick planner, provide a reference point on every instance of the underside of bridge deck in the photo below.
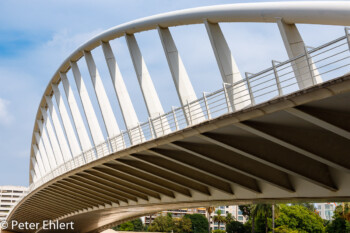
(292, 148)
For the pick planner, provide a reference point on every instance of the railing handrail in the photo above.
(193, 108)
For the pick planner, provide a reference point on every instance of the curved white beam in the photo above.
(102, 98)
(318, 12)
(76, 114)
(227, 65)
(73, 142)
(180, 77)
(126, 106)
(95, 129)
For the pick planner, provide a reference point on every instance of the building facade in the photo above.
(178, 213)
(235, 212)
(326, 210)
(8, 197)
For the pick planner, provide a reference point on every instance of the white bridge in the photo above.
(278, 135)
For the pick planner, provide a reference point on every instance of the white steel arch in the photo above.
(285, 14)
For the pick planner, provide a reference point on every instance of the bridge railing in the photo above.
(328, 61)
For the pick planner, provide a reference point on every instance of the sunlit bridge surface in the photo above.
(277, 135)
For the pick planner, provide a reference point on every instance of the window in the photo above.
(240, 218)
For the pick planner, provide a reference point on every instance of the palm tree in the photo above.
(219, 218)
(264, 210)
(346, 210)
(229, 218)
(210, 210)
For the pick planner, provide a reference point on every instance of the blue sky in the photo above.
(37, 35)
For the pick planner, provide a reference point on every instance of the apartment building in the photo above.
(176, 213)
(325, 210)
(8, 196)
(233, 209)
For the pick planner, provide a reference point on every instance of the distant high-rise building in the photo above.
(325, 210)
(178, 213)
(8, 197)
(235, 212)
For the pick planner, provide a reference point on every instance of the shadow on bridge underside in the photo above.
(292, 148)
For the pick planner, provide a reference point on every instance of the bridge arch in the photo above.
(58, 157)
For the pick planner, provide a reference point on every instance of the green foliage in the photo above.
(229, 218)
(182, 225)
(218, 231)
(343, 211)
(219, 218)
(338, 225)
(162, 224)
(299, 218)
(307, 205)
(169, 224)
(199, 223)
(245, 209)
(134, 225)
(285, 229)
(235, 227)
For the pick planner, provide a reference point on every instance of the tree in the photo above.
(162, 223)
(263, 210)
(219, 218)
(246, 210)
(199, 223)
(307, 205)
(235, 227)
(210, 210)
(341, 218)
(182, 225)
(285, 229)
(338, 225)
(343, 211)
(133, 225)
(229, 218)
(299, 218)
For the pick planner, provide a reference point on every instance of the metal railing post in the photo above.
(226, 98)
(140, 133)
(347, 36)
(189, 112)
(206, 106)
(151, 127)
(123, 140)
(249, 89)
(280, 92)
(175, 119)
(309, 65)
(161, 123)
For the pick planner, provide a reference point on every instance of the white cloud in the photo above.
(5, 116)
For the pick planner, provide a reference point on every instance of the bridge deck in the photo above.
(291, 148)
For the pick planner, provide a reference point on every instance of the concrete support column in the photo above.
(126, 106)
(47, 143)
(180, 77)
(36, 167)
(73, 142)
(104, 104)
(153, 104)
(66, 151)
(53, 138)
(39, 159)
(33, 175)
(76, 115)
(238, 95)
(305, 71)
(90, 114)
